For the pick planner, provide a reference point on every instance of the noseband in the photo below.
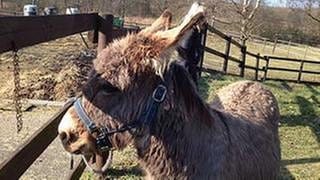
(103, 133)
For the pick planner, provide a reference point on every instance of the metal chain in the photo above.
(17, 90)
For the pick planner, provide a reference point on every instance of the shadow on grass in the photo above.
(285, 173)
(301, 161)
(313, 90)
(286, 86)
(307, 115)
(132, 171)
(281, 85)
(306, 118)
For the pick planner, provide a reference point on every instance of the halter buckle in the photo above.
(103, 142)
(159, 93)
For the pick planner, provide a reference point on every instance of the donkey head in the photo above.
(124, 77)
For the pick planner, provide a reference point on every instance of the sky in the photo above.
(281, 3)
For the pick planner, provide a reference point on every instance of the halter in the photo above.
(146, 118)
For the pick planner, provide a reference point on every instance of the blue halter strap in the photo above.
(146, 119)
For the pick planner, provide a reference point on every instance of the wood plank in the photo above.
(257, 67)
(203, 44)
(310, 72)
(253, 68)
(105, 34)
(293, 70)
(300, 72)
(222, 35)
(231, 58)
(283, 69)
(77, 172)
(293, 60)
(255, 55)
(227, 53)
(29, 151)
(243, 60)
(266, 68)
(215, 52)
(19, 32)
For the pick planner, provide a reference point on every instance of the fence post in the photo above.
(243, 58)
(257, 66)
(203, 43)
(94, 35)
(305, 52)
(275, 45)
(77, 172)
(227, 53)
(289, 47)
(264, 44)
(266, 67)
(300, 71)
(105, 32)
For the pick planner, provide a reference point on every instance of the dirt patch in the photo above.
(49, 71)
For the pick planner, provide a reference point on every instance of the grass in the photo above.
(299, 130)
(217, 43)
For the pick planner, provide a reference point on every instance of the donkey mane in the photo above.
(133, 54)
(185, 92)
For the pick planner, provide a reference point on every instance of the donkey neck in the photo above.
(184, 117)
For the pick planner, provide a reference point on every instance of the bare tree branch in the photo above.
(307, 5)
(254, 9)
(313, 17)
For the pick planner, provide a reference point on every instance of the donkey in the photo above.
(137, 95)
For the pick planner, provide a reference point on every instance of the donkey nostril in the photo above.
(63, 136)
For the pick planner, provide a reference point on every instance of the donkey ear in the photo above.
(195, 16)
(162, 23)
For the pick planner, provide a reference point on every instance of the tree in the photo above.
(311, 7)
(246, 9)
(216, 12)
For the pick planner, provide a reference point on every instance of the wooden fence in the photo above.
(19, 32)
(265, 70)
(287, 46)
(10, 13)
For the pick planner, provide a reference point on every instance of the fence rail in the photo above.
(28, 152)
(243, 65)
(19, 32)
(10, 13)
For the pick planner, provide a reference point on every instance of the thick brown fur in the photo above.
(236, 137)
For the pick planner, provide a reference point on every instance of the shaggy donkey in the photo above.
(137, 96)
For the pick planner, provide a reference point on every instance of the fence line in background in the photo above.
(257, 57)
(275, 44)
